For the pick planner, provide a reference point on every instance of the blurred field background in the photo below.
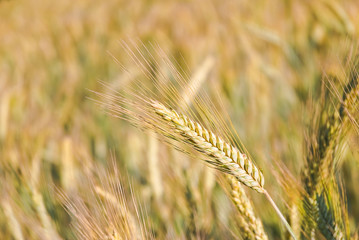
(265, 58)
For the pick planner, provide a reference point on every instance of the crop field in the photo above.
(179, 119)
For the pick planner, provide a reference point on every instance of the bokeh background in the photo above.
(265, 58)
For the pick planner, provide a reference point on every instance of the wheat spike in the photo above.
(227, 157)
(324, 150)
(326, 220)
(320, 163)
(222, 155)
(149, 114)
(250, 225)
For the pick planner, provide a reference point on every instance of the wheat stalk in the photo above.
(227, 158)
(147, 113)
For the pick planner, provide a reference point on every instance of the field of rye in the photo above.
(179, 119)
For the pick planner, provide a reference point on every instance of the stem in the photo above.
(282, 218)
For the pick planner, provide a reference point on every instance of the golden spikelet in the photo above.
(227, 157)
